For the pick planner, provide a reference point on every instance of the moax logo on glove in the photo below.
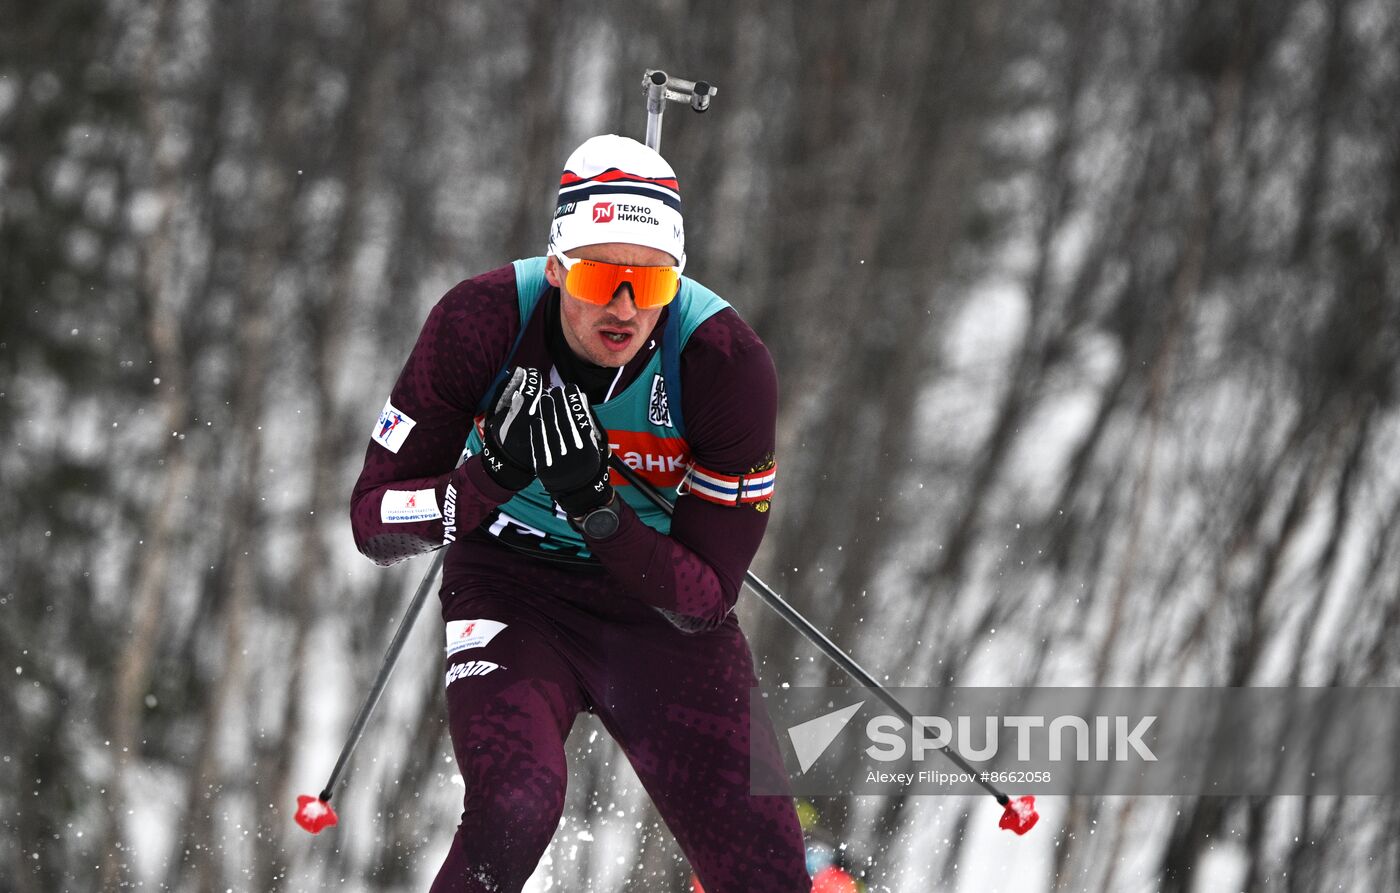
(470, 668)
(1112, 739)
(582, 418)
(464, 634)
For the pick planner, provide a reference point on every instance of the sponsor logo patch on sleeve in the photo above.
(408, 506)
(464, 634)
(392, 428)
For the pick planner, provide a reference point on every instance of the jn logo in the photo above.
(811, 738)
(603, 212)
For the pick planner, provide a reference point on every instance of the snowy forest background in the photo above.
(1087, 316)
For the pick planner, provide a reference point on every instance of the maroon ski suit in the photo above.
(644, 635)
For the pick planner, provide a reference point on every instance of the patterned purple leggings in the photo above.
(677, 704)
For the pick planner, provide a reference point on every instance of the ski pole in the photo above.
(315, 813)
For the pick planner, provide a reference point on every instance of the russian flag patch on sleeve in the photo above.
(752, 488)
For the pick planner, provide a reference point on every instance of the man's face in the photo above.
(611, 335)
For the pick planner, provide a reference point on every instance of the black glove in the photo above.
(506, 445)
(571, 451)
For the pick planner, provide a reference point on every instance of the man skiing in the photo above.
(563, 589)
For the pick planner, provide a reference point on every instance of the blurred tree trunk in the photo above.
(351, 155)
(536, 161)
(205, 848)
(165, 516)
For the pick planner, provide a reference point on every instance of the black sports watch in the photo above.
(600, 523)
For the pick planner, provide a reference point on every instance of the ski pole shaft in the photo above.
(811, 633)
(655, 83)
(391, 657)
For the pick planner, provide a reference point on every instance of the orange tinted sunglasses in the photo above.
(596, 282)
